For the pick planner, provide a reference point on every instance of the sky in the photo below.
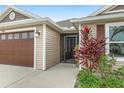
(59, 12)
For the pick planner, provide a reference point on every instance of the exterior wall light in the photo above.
(37, 34)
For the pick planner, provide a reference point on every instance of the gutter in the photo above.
(108, 17)
(30, 22)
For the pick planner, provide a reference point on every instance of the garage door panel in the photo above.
(17, 52)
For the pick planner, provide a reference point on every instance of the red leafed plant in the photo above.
(90, 50)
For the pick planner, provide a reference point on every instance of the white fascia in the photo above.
(35, 42)
(31, 22)
(98, 18)
(44, 48)
(20, 29)
(100, 10)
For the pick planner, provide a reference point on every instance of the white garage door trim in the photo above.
(25, 29)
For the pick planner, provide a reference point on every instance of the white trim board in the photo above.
(99, 11)
(114, 11)
(115, 24)
(44, 47)
(31, 22)
(19, 29)
(99, 18)
(35, 62)
(79, 29)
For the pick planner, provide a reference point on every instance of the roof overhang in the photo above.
(68, 31)
(102, 9)
(100, 19)
(30, 22)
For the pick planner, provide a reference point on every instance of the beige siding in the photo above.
(18, 16)
(52, 47)
(39, 46)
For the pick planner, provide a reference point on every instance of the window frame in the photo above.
(5, 36)
(30, 34)
(108, 42)
(14, 36)
(8, 36)
(22, 35)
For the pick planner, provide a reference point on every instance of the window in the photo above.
(10, 36)
(24, 35)
(16, 36)
(116, 33)
(117, 49)
(3, 37)
(31, 34)
(116, 40)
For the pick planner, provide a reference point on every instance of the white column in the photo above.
(35, 67)
(44, 47)
(79, 42)
(107, 38)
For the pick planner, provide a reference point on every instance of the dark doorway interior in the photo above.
(70, 45)
(70, 41)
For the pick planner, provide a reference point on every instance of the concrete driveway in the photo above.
(60, 76)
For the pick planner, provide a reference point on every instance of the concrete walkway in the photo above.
(60, 76)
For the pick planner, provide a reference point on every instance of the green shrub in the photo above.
(106, 65)
(119, 72)
(111, 81)
(87, 80)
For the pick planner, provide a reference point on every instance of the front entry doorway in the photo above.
(70, 42)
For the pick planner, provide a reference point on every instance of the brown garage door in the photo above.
(17, 49)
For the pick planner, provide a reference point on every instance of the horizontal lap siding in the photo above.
(52, 47)
(39, 47)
